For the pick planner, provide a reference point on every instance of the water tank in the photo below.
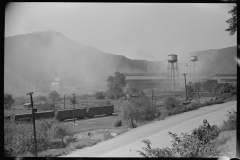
(193, 58)
(172, 58)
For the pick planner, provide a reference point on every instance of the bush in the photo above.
(45, 107)
(53, 96)
(118, 123)
(138, 109)
(192, 106)
(99, 95)
(107, 136)
(86, 142)
(231, 123)
(19, 136)
(171, 102)
(60, 131)
(128, 113)
(157, 113)
(224, 96)
(108, 102)
(41, 98)
(196, 144)
(8, 101)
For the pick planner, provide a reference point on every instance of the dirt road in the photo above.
(125, 145)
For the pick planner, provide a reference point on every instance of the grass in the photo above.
(97, 123)
(105, 122)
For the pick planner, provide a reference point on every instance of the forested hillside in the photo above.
(42, 56)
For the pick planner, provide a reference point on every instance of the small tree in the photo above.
(8, 101)
(207, 86)
(99, 95)
(190, 89)
(73, 100)
(116, 84)
(214, 88)
(232, 21)
(60, 131)
(53, 96)
(128, 113)
(41, 98)
(197, 87)
(144, 110)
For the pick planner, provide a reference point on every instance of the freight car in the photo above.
(23, 117)
(7, 117)
(38, 115)
(70, 114)
(93, 111)
(46, 114)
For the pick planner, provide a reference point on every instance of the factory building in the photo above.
(160, 82)
(225, 78)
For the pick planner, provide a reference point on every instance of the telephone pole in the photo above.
(185, 83)
(64, 101)
(74, 108)
(152, 97)
(34, 127)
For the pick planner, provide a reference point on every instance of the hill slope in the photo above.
(217, 61)
(45, 55)
(42, 56)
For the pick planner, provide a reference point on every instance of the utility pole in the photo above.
(33, 117)
(22, 99)
(152, 97)
(185, 83)
(74, 108)
(64, 101)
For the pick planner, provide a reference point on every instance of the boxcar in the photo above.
(68, 114)
(46, 114)
(23, 117)
(7, 117)
(91, 112)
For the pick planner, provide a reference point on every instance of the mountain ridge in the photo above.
(43, 55)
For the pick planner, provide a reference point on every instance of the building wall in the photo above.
(225, 78)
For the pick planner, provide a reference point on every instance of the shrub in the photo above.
(157, 113)
(45, 107)
(118, 123)
(99, 95)
(41, 98)
(71, 139)
(144, 111)
(224, 96)
(171, 102)
(86, 142)
(108, 102)
(60, 131)
(231, 123)
(107, 136)
(8, 101)
(53, 96)
(128, 113)
(192, 106)
(196, 144)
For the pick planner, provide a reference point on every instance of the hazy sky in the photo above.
(148, 31)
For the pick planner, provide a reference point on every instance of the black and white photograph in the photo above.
(114, 79)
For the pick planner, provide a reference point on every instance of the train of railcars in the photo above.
(94, 111)
(62, 115)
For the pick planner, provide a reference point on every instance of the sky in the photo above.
(149, 31)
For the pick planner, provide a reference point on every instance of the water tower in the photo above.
(172, 69)
(194, 64)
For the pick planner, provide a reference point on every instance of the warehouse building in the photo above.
(225, 78)
(163, 83)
